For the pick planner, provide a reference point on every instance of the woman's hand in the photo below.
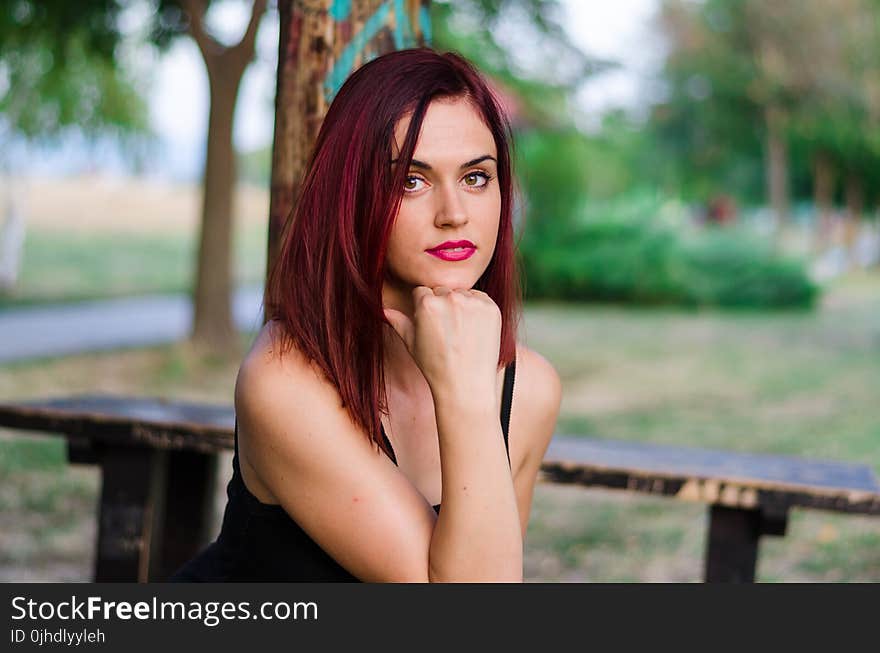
(454, 338)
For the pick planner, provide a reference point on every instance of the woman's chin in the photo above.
(455, 282)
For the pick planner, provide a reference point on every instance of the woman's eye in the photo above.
(407, 184)
(471, 178)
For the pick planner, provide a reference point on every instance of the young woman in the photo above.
(383, 384)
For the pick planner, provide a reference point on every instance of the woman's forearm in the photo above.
(477, 536)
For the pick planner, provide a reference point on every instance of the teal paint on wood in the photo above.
(403, 35)
(425, 24)
(340, 9)
(342, 67)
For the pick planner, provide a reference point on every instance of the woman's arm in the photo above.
(534, 412)
(454, 337)
(477, 536)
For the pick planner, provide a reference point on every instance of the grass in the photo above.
(801, 384)
(65, 266)
(90, 239)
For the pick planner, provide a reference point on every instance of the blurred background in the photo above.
(700, 239)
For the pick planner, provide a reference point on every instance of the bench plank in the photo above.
(109, 419)
(728, 478)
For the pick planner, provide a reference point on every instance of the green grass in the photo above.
(63, 265)
(27, 454)
(791, 383)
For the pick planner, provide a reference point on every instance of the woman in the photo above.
(383, 379)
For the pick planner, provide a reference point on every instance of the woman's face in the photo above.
(451, 193)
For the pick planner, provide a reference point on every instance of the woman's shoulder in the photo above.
(536, 378)
(537, 394)
(274, 373)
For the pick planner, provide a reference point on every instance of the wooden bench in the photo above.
(158, 464)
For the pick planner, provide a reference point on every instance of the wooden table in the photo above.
(158, 463)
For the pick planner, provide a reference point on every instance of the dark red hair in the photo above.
(325, 287)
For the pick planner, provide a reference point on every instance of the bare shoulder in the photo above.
(537, 395)
(264, 364)
(280, 393)
(325, 472)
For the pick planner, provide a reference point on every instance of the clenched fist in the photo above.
(454, 338)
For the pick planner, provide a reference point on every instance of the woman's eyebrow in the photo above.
(421, 164)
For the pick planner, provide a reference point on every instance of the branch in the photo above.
(208, 45)
(244, 50)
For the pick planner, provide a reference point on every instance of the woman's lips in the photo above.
(454, 254)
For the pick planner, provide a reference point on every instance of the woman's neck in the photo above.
(402, 375)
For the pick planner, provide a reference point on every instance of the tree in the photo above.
(60, 70)
(837, 128)
(213, 325)
(733, 65)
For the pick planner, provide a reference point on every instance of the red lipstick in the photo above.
(453, 250)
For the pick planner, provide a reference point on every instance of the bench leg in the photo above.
(189, 501)
(732, 545)
(130, 513)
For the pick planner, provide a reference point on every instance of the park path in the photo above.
(63, 329)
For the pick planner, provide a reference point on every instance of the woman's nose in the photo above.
(451, 209)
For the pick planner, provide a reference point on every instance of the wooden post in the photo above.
(132, 502)
(732, 542)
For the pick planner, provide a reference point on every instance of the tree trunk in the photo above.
(823, 196)
(310, 46)
(213, 326)
(213, 323)
(776, 166)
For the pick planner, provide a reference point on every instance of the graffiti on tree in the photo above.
(390, 20)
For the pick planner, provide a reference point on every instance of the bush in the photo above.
(638, 251)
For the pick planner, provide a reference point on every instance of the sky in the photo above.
(178, 102)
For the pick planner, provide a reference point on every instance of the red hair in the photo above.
(325, 286)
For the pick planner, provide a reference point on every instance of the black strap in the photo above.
(506, 400)
(388, 444)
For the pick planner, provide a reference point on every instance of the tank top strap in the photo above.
(506, 400)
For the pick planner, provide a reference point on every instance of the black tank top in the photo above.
(260, 542)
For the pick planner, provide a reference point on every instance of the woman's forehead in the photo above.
(452, 132)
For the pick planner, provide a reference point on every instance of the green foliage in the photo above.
(551, 166)
(726, 267)
(636, 251)
(59, 64)
(813, 63)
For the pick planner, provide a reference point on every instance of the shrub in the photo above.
(644, 252)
